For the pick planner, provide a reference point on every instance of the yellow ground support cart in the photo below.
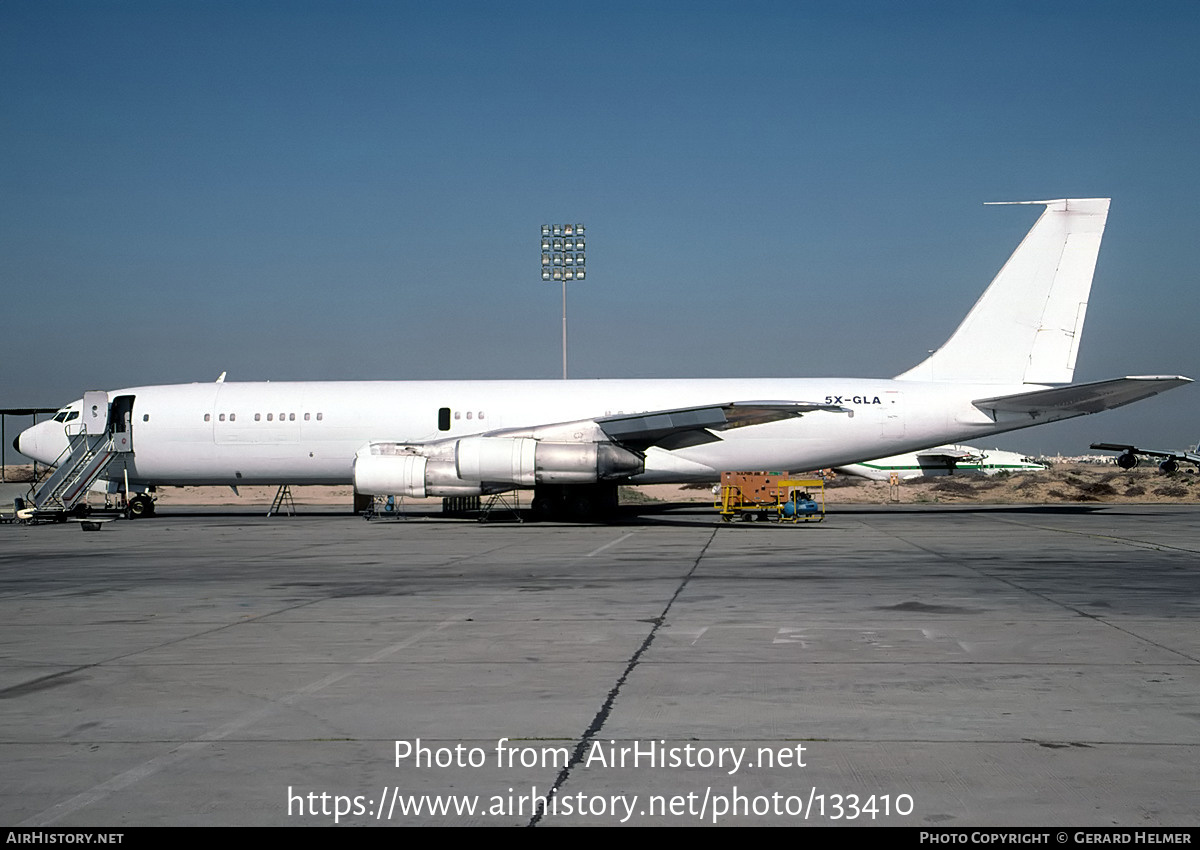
(771, 497)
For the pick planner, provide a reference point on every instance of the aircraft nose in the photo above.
(27, 438)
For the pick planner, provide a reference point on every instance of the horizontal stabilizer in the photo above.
(1084, 398)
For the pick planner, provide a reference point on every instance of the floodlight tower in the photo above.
(563, 258)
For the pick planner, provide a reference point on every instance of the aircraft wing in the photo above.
(948, 454)
(693, 426)
(668, 429)
(1123, 447)
(583, 451)
(1084, 398)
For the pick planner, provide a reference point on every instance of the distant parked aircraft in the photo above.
(942, 460)
(1129, 459)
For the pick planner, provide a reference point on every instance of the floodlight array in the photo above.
(564, 252)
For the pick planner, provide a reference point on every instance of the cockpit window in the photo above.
(66, 416)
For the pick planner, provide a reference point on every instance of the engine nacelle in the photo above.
(524, 461)
(473, 466)
(508, 459)
(409, 475)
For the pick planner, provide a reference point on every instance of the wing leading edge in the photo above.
(949, 453)
(693, 426)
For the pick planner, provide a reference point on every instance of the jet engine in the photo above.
(476, 465)
(409, 475)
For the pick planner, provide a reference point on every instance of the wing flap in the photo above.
(689, 426)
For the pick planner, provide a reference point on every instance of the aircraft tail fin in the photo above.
(1025, 328)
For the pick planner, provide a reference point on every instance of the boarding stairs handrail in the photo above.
(81, 463)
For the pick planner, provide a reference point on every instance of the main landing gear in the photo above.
(574, 502)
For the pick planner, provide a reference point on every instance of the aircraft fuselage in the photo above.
(309, 432)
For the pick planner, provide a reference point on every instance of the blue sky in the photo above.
(326, 190)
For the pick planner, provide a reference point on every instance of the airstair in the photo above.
(103, 435)
(85, 459)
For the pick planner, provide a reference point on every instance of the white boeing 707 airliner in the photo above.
(1007, 366)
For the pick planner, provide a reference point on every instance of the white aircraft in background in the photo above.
(1129, 458)
(1007, 366)
(942, 460)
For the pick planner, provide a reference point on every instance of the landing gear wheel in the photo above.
(582, 508)
(574, 502)
(141, 506)
(542, 509)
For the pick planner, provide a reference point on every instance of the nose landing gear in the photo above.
(141, 506)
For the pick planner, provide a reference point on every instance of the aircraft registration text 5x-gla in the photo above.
(1008, 365)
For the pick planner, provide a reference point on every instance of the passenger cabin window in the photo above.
(145, 417)
(320, 416)
(233, 417)
(444, 419)
(208, 417)
(270, 417)
(306, 416)
(291, 417)
(221, 417)
(258, 417)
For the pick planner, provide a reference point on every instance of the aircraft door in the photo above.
(121, 423)
(893, 415)
(95, 412)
